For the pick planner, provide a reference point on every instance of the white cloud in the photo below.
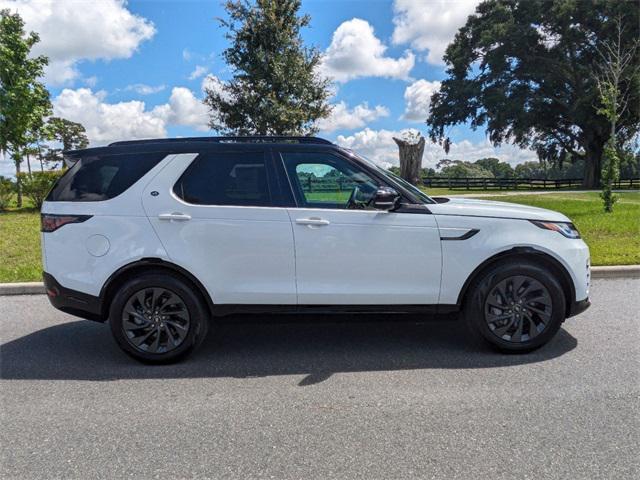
(184, 109)
(7, 167)
(355, 52)
(378, 146)
(430, 26)
(143, 89)
(107, 122)
(417, 97)
(198, 72)
(74, 31)
(343, 118)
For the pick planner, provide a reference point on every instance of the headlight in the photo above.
(567, 229)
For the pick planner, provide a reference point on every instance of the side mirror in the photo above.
(386, 198)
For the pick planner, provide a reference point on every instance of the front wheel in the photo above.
(515, 308)
(158, 318)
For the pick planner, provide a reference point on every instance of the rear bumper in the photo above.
(579, 307)
(73, 302)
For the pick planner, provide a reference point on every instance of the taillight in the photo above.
(51, 222)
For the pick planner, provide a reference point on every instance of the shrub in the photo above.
(7, 189)
(36, 185)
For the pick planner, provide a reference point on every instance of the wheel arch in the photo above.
(528, 253)
(144, 265)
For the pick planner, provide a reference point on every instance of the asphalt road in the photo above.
(398, 399)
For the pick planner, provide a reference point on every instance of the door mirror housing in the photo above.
(386, 198)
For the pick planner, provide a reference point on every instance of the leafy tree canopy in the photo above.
(524, 69)
(70, 135)
(276, 89)
(460, 169)
(24, 101)
(495, 166)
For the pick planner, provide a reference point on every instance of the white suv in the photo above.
(161, 237)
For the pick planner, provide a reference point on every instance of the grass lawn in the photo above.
(614, 239)
(20, 246)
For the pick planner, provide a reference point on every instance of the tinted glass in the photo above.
(92, 179)
(226, 178)
(322, 180)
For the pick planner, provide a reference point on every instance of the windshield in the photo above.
(396, 179)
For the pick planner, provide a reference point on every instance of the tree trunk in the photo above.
(28, 164)
(18, 182)
(593, 164)
(40, 157)
(410, 159)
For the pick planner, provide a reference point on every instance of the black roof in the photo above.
(181, 145)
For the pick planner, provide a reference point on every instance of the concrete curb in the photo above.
(621, 271)
(25, 288)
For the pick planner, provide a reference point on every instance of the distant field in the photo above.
(613, 239)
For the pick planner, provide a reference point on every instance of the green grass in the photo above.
(20, 246)
(337, 197)
(614, 239)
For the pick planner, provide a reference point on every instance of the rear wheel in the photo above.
(515, 308)
(158, 318)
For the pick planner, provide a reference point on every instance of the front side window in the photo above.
(322, 180)
(226, 178)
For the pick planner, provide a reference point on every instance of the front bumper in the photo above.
(579, 307)
(73, 302)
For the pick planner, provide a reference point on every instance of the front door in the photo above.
(216, 218)
(348, 253)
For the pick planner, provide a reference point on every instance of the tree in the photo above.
(411, 147)
(276, 89)
(7, 188)
(611, 80)
(459, 169)
(523, 69)
(24, 101)
(533, 170)
(70, 135)
(496, 167)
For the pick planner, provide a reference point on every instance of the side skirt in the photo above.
(233, 309)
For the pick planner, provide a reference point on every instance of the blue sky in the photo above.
(137, 69)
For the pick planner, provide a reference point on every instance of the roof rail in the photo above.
(238, 139)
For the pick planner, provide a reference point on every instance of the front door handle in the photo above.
(175, 216)
(314, 221)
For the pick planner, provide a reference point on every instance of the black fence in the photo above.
(517, 183)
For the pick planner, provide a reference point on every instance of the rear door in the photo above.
(216, 216)
(348, 253)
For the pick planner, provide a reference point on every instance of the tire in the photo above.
(162, 306)
(493, 318)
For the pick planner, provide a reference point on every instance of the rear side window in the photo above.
(226, 178)
(92, 179)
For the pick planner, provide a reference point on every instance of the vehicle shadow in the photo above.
(83, 350)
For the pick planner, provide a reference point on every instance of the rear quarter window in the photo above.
(226, 178)
(97, 178)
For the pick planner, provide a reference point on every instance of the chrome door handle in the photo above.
(312, 221)
(180, 217)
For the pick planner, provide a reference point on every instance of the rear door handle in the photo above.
(312, 221)
(179, 217)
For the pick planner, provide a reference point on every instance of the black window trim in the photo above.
(267, 157)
